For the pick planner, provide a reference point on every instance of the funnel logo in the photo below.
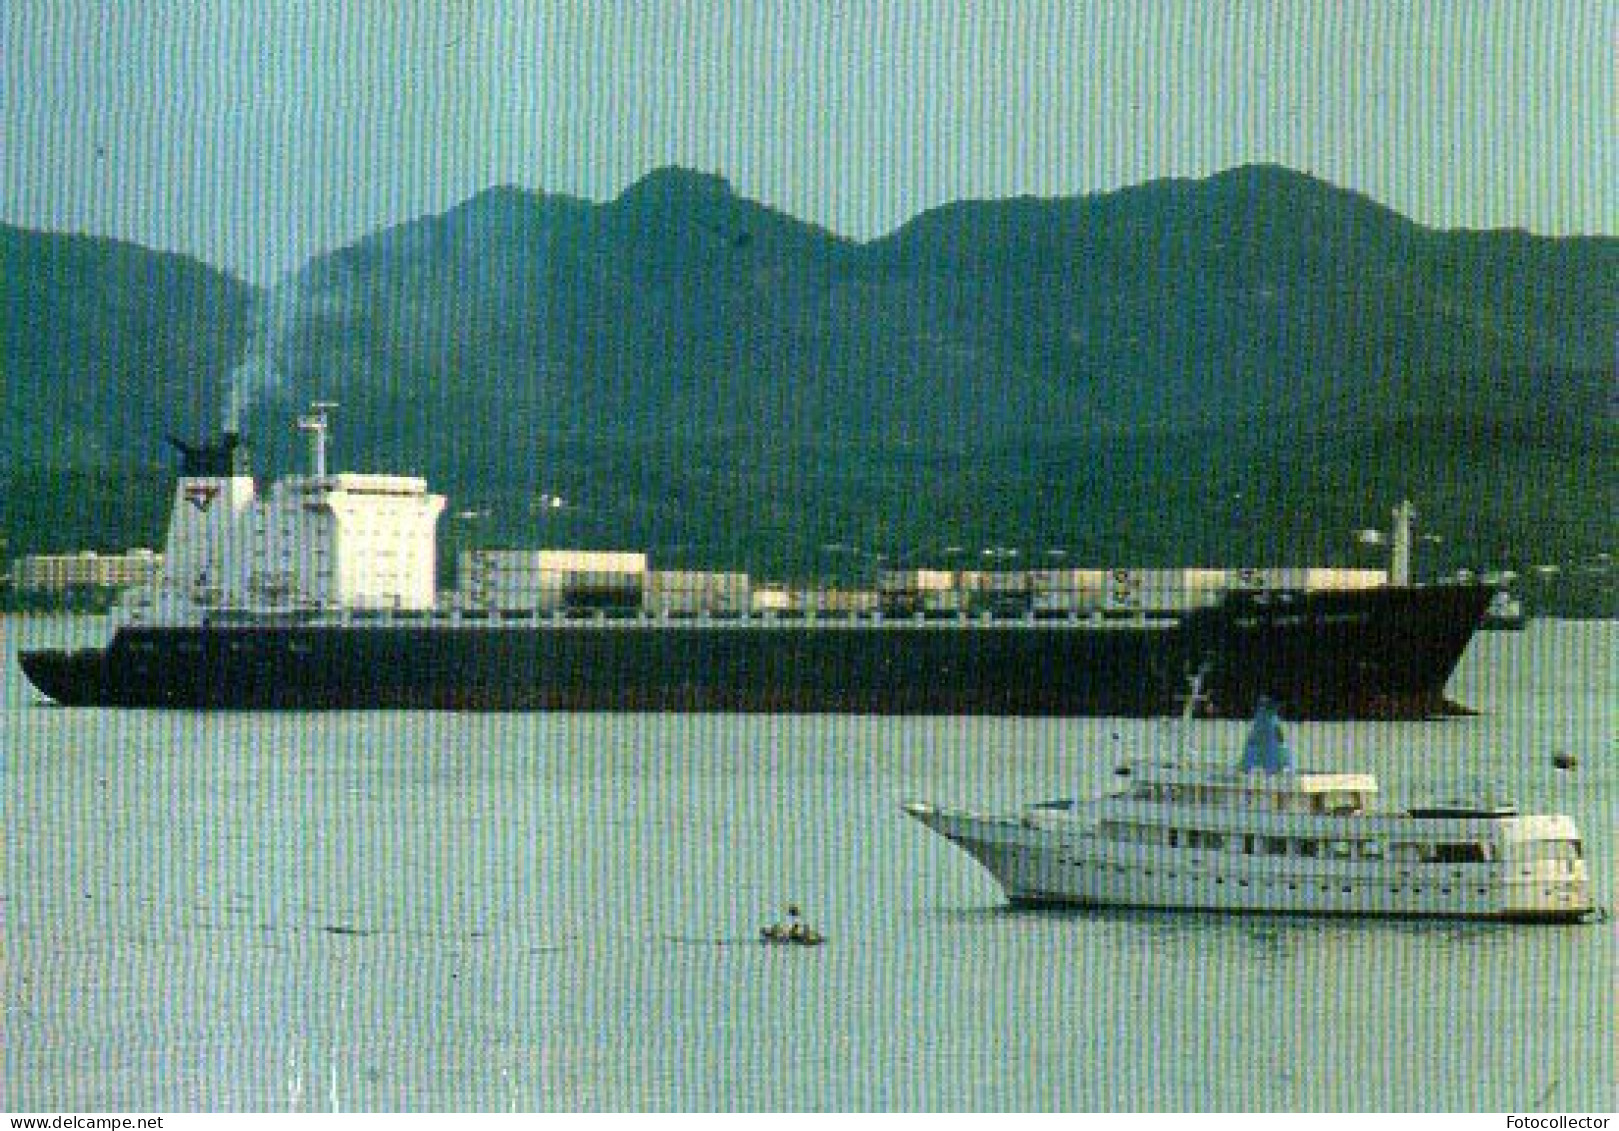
(201, 495)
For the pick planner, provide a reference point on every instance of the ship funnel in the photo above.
(213, 461)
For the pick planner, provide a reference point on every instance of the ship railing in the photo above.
(627, 616)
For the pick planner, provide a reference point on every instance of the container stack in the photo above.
(553, 580)
(688, 593)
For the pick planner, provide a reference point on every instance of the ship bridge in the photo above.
(1298, 792)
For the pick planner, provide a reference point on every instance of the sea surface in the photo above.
(414, 911)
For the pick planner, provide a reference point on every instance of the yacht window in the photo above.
(1371, 850)
(1338, 849)
(1276, 846)
(1307, 848)
(1465, 852)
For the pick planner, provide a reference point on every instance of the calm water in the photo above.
(399, 911)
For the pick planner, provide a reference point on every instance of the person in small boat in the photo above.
(796, 930)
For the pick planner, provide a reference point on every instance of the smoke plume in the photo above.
(264, 368)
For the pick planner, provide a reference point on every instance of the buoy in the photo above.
(1564, 761)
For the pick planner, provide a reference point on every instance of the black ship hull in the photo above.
(1375, 653)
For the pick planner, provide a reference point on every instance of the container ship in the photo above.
(323, 593)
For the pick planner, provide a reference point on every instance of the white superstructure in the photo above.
(344, 541)
(317, 543)
(1267, 837)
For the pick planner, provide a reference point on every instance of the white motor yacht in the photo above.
(1266, 836)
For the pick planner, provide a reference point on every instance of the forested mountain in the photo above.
(1241, 369)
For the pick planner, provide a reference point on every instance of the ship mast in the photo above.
(316, 423)
(1192, 702)
(1400, 554)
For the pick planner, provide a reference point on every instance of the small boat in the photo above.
(1265, 836)
(794, 932)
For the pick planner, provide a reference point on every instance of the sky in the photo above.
(254, 134)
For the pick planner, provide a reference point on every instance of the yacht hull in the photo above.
(1037, 867)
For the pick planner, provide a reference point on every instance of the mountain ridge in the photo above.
(694, 368)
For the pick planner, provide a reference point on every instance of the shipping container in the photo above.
(697, 591)
(951, 601)
(770, 597)
(1205, 580)
(1066, 601)
(837, 602)
(535, 563)
(1339, 579)
(917, 581)
(549, 580)
(1123, 589)
(1068, 580)
(1003, 581)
